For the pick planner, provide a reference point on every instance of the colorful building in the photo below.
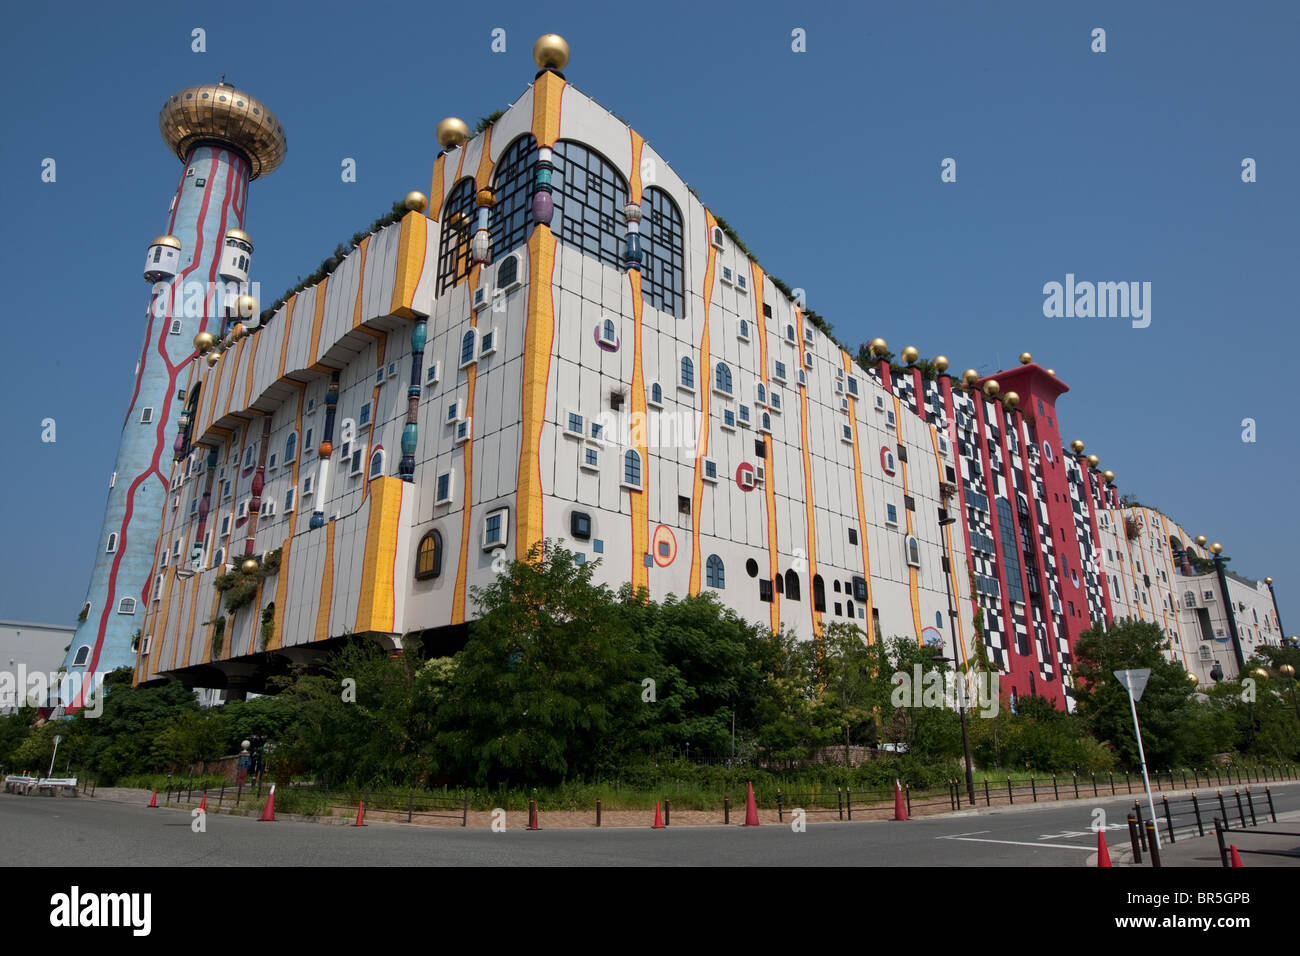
(561, 342)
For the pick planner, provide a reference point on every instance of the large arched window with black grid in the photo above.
(512, 186)
(589, 195)
(457, 229)
(663, 282)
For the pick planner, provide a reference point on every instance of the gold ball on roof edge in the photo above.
(877, 346)
(1093, 461)
(1025, 358)
(911, 354)
(416, 201)
(991, 388)
(1077, 446)
(452, 132)
(970, 376)
(1216, 548)
(1012, 399)
(941, 363)
(551, 52)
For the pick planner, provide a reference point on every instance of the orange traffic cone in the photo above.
(153, 801)
(900, 804)
(751, 809)
(203, 802)
(532, 816)
(361, 814)
(1236, 857)
(268, 812)
(659, 820)
(1103, 854)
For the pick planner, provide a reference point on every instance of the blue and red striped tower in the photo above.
(198, 275)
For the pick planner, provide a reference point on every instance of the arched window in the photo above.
(913, 551)
(778, 582)
(789, 332)
(761, 393)
(722, 377)
(508, 272)
(290, 447)
(715, 575)
(112, 544)
(662, 279)
(467, 348)
(632, 469)
(458, 218)
(688, 372)
(744, 328)
(608, 332)
(511, 219)
(767, 422)
(126, 606)
(83, 655)
(589, 196)
(428, 556)
(377, 462)
(819, 593)
(792, 585)
(656, 394)
(848, 606)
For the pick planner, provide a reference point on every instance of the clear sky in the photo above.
(1115, 166)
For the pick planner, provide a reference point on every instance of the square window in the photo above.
(379, 375)
(580, 525)
(590, 459)
(146, 416)
(462, 431)
(853, 536)
(683, 508)
(364, 417)
(744, 414)
(488, 342)
(308, 485)
(431, 377)
(778, 371)
(576, 424)
(392, 369)
(355, 468)
(597, 431)
(598, 546)
(442, 489)
(710, 470)
(891, 514)
(494, 529)
(728, 418)
(453, 412)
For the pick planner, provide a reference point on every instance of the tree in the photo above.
(549, 684)
(1173, 731)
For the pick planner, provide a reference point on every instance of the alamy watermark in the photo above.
(1101, 300)
(21, 687)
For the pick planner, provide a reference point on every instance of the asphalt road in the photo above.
(83, 831)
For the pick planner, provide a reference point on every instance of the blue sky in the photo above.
(1122, 166)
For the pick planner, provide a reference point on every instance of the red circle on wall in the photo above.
(745, 476)
(884, 453)
(663, 545)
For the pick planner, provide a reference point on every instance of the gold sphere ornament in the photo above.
(1260, 673)
(170, 241)
(452, 132)
(249, 565)
(1268, 581)
(1200, 539)
(877, 347)
(1077, 446)
(1012, 399)
(991, 388)
(970, 376)
(1288, 670)
(1216, 548)
(1093, 461)
(416, 201)
(941, 363)
(204, 341)
(213, 359)
(1109, 476)
(1193, 679)
(485, 198)
(551, 52)
(246, 306)
(910, 354)
(1025, 358)
(1052, 372)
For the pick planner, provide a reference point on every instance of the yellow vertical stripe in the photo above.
(862, 504)
(326, 586)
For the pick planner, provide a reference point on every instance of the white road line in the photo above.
(1058, 846)
(967, 833)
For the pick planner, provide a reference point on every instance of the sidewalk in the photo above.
(1196, 851)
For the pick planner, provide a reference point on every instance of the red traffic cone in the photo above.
(268, 812)
(1103, 854)
(751, 809)
(153, 801)
(532, 816)
(203, 802)
(1236, 857)
(361, 814)
(659, 820)
(900, 804)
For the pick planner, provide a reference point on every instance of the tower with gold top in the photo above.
(198, 278)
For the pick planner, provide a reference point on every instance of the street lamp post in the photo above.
(944, 521)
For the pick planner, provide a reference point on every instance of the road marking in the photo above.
(1058, 846)
(967, 833)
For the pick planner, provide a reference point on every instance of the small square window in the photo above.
(442, 489)
(488, 342)
(575, 425)
(308, 485)
(728, 418)
(431, 376)
(590, 459)
(379, 375)
(364, 417)
(683, 508)
(453, 412)
(146, 415)
(598, 546)
(597, 431)
(495, 531)
(392, 369)
(710, 470)
(462, 431)
(853, 536)
(580, 525)
(891, 514)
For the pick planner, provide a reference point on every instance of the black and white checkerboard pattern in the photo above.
(905, 389)
(1083, 529)
(979, 522)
